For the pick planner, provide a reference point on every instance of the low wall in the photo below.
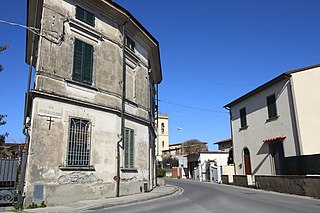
(299, 185)
(227, 179)
(240, 180)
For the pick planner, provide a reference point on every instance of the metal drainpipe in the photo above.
(123, 105)
(24, 155)
(157, 90)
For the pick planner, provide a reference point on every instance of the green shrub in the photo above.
(161, 172)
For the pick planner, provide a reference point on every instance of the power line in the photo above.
(191, 107)
(209, 83)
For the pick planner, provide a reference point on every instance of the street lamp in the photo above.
(180, 129)
(181, 158)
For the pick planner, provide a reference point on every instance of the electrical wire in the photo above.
(32, 29)
(194, 108)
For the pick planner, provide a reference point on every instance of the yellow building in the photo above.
(162, 142)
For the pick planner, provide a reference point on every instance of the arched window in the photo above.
(162, 128)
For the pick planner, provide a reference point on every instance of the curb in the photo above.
(125, 202)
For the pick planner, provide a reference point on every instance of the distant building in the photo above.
(276, 122)
(185, 148)
(199, 164)
(162, 141)
(224, 145)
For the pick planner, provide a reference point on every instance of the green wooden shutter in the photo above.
(272, 108)
(80, 13)
(85, 16)
(131, 150)
(77, 60)
(87, 63)
(126, 148)
(89, 18)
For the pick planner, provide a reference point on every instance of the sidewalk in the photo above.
(86, 205)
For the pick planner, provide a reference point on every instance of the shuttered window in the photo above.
(82, 62)
(272, 107)
(130, 43)
(243, 117)
(85, 16)
(129, 148)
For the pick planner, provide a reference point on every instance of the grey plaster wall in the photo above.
(57, 98)
(55, 60)
(299, 185)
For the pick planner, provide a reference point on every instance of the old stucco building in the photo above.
(79, 110)
(278, 120)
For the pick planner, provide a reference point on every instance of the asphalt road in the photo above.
(207, 197)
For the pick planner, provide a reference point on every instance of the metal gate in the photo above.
(8, 179)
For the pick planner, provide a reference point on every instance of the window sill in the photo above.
(272, 119)
(243, 128)
(132, 53)
(132, 170)
(65, 168)
(73, 82)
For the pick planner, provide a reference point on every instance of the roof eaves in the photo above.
(258, 89)
(223, 141)
(270, 83)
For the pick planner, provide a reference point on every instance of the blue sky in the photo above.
(212, 52)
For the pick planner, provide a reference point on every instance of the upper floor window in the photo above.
(79, 143)
(272, 107)
(129, 148)
(82, 62)
(85, 16)
(129, 43)
(162, 128)
(243, 117)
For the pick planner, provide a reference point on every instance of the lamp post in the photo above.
(181, 158)
(180, 129)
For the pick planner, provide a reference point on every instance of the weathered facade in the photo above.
(277, 120)
(80, 110)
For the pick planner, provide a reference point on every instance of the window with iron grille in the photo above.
(130, 43)
(243, 117)
(272, 107)
(129, 148)
(85, 16)
(82, 62)
(79, 143)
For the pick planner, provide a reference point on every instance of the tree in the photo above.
(194, 146)
(2, 122)
(169, 162)
(2, 49)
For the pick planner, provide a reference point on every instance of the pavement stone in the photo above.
(86, 205)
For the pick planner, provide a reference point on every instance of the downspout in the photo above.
(234, 165)
(123, 105)
(25, 130)
(157, 110)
